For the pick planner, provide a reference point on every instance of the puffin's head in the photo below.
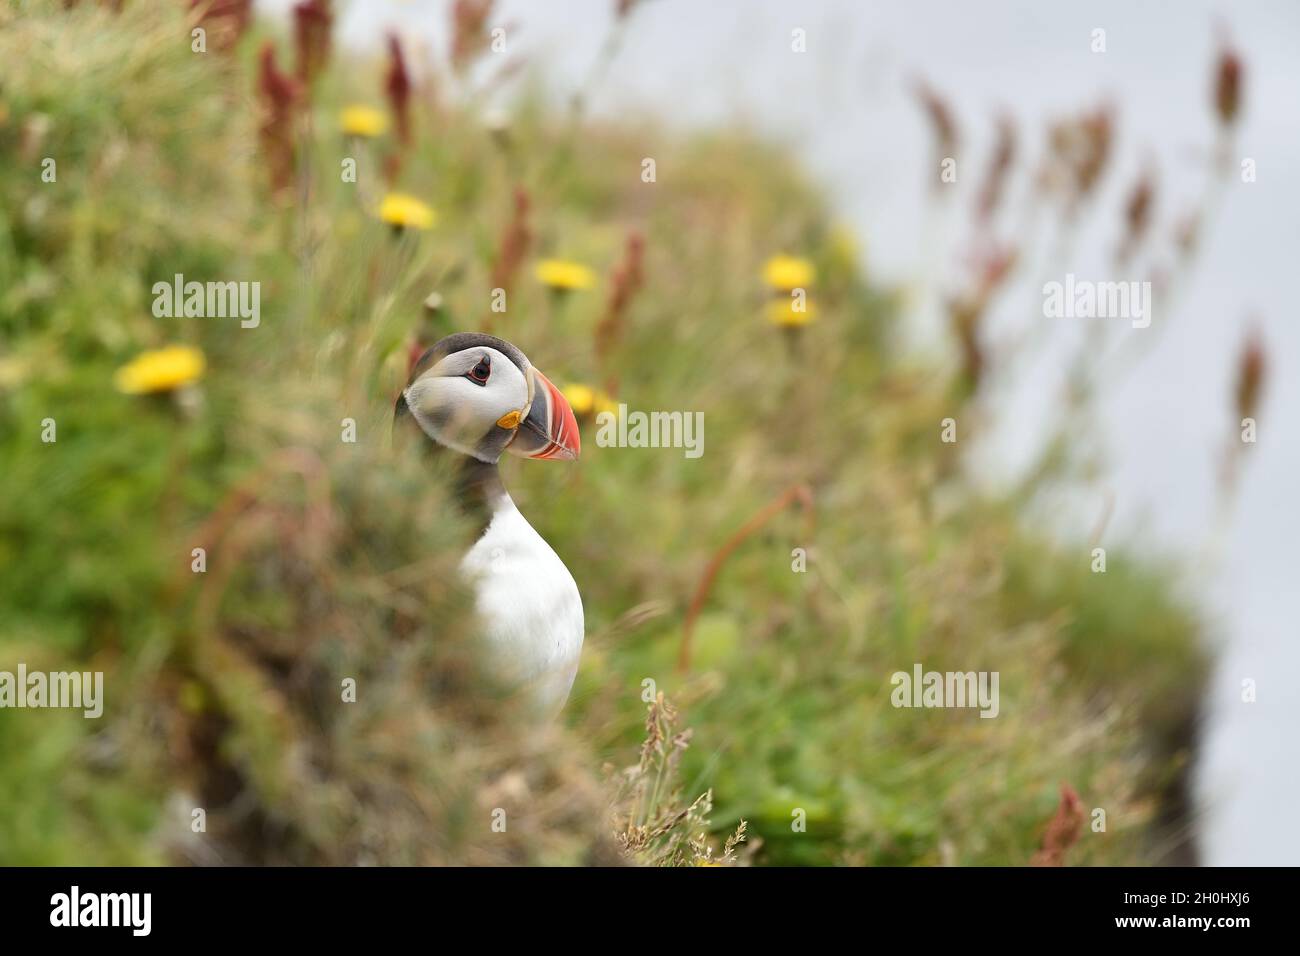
(480, 396)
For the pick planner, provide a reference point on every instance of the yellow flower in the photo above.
(161, 370)
(562, 274)
(364, 121)
(782, 311)
(406, 212)
(585, 400)
(788, 272)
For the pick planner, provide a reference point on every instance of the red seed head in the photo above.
(468, 30)
(1227, 86)
(1062, 830)
(312, 20)
(1252, 367)
(225, 20)
(397, 85)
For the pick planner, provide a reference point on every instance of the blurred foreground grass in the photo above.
(328, 559)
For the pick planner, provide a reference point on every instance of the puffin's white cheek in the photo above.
(454, 410)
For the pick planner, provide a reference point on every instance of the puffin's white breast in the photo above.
(529, 606)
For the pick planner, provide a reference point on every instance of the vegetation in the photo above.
(326, 559)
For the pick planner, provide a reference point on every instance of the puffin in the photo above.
(478, 397)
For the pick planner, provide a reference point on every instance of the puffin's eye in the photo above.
(480, 372)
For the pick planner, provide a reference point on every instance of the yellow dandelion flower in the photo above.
(788, 272)
(562, 274)
(160, 370)
(406, 212)
(581, 398)
(587, 401)
(364, 121)
(783, 311)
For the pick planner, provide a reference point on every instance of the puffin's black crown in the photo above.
(458, 342)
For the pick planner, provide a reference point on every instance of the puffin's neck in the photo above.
(477, 486)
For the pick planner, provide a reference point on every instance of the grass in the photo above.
(329, 560)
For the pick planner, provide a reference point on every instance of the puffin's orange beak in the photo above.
(550, 430)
